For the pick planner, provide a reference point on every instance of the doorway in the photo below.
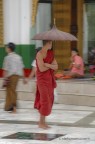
(89, 32)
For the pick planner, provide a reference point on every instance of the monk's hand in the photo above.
(47, 65)
(51, 66)
(54, 66)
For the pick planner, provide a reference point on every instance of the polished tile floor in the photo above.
(70, 124)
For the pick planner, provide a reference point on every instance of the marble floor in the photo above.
(70, 124)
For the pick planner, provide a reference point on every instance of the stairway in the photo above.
(74, 92)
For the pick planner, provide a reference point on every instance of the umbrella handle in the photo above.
(54, 21)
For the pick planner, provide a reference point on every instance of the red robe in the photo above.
(45, 87)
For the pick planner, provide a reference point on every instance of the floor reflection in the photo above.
(33, 136)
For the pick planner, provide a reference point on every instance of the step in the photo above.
(74, 92)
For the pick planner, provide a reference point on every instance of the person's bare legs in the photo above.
(42, 123)
(72, 74)
(14, 109)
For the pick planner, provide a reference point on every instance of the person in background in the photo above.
(46, 65)
(13, 69)
(33, 72)
(76, 68)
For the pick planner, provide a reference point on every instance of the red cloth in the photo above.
(45, 87)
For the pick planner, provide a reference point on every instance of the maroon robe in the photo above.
(45, 87)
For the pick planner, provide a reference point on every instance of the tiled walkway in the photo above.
(69, 125)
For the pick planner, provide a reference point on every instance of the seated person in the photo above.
(76, 68)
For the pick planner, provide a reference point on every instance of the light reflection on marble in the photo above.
(8, 141)
(58, 115)
(61, 114)
(92, 123)
(29, 105)
(72, 133)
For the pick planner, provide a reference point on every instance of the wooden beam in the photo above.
(74, 27)
(45, 1)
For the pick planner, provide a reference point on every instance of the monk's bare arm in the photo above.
(40, 62)
(53, 65)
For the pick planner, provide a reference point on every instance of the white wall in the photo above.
(43, 17)
(85, 35)
(17, 21)
(43, 20)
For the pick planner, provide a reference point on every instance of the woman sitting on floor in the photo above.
(76, 68)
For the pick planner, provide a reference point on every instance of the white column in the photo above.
(17, 21)
(25, 21)
(11, 21)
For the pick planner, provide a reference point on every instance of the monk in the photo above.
(46, 65)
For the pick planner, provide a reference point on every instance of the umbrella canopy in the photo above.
(54, 34)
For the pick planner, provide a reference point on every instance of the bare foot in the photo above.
(13, 111)
(43, 126)
(47, 126)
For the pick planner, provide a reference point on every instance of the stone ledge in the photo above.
(68, 92)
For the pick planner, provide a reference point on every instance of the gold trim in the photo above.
(34, 11)
(61, 12)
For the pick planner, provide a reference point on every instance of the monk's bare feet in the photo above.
(44, 126)
(14, 110)
(48, 126)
